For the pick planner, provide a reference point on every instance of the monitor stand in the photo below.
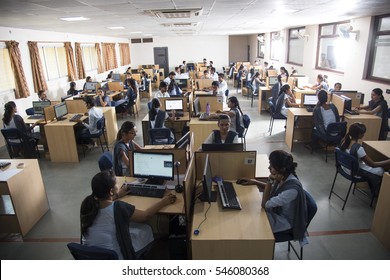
(154, 181)
(213, 197)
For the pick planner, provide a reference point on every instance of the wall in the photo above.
(238, 48)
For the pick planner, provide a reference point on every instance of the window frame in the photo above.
(9, 77)
(44, 61)
(92, 55)
(273, 55)
(260, 46)
(289, 41)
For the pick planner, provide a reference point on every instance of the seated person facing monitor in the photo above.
(94, 114)
(123, 145)
(117, 225)
(173, 88)
(42, 96)
(223, 135)
(235, 114)
(321, 84)
(377, 106)
(163, 90)
(102, 99)
(283, 196)
(72, 89)
(285, 99)
(337, 87)
(157, 117)
(87, 80)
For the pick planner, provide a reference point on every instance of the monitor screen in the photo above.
(223, 147)
(90, 86)
(173, 104)
(273, 80)
(39, 106)
(310, 100)
(197, 106)
(60, 110)
(116, 77)
(182, 83)
(207, 195)
(154, 166)
(347, 103)
(184, 141)
(104, 86)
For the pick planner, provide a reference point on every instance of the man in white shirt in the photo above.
(213, 75)
(173, 88)
(222, 83)
(163, 90)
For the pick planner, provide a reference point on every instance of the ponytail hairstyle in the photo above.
(280, 79)
(286, 72)
(234, 100)
(153, 111)
(283, 163)
(322, 97)
(101, 184)
(379, 92)
(256, 75)
(125, 128)
(354, 132)
(8, 112)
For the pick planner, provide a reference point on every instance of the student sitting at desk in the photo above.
(235, 114)
(276, 89)
(163, 90)
(285, 99)
(173, 88)
(222, 83)
(124, 144)
(213, 74)
(94, 114)
(370, 170)
(321, 84)
(157, 117)
(224, 134)
(117, 225)
(102, 99)
(377, 106)
(283, 195)
(72, 89)
(42, 95)
(88, 79)
(256, 83)
(337, 87)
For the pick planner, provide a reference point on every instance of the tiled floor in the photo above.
(335, 234)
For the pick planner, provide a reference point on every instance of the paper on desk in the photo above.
(6, 174)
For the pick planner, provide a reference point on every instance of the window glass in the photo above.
(296, 44)
(7, 81)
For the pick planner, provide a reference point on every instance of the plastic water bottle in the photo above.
(208, 109)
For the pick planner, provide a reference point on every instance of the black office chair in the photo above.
(105, 161)
(30, 111)
(247, 121)
(100, 126)
(19, 144)
(160, 136)
(227, 93)
(288, 235)
(335, 132)
(346, 161)
(84, 252)
(274, 116)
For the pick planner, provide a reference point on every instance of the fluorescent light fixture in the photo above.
(74, 18)
(136, 32)
(148, 35)
(283, 11)
(116, 27)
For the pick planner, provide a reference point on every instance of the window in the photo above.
(7, 81)
(379, 59)
(53, 59)
(295, 49)
(276, 45)
(260, 45)
(89, 57)
(332, 50)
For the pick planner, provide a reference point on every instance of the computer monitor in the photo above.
(157, 167)
(223, 147)
(272, 80)
(310, 100)
(90, 86)
(347, 104)
(207, 195)
(104, 86)
(60, 110)
(173, 104)
(182, 83)
(116, 77)
(39, 106)
(197, 106)
(184, 141)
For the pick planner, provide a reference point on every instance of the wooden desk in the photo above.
(233, 234)
(298, 130)
(262, 104)
(378, 150)
(201, 130)
(373, 125)
(23, 198)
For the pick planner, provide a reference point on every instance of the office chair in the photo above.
(335, 132)
(247, 121)
(238, 78)
(274, 116)
(100, 126)
(84, 252)
(17, 143)
(227, 93)
(288, 235)
(30, 111)
(160, 136)
(346, 161)
(105, 161)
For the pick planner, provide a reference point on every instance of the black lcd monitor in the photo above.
(347, 104)
(182, 83)
(39, 107)
(226, 147)
(207, 195)
(173, 104)
(310, 100)
(90, 86)
(60, 111)
(156, 167)
(184, 141)
(116, 77)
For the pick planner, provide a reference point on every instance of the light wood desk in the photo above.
(23, 199)
(201, 130)
(233, 234)
(373, 125)
(299, 126)
(262, 104)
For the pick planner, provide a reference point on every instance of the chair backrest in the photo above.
(227, 92)
(84, 252)
(337, 129)
(247, 120)
(349, 162)
(12, 134)
(271, 107)
(105, 161)
(30, 111)
(311, 207)
(160, 136)
(101, 123)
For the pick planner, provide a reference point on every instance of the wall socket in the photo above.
(388, 90)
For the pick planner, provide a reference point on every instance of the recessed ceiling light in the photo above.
(74, 18)
(116, 27)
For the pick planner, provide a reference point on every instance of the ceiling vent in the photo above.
(179, 13)
(180, 24)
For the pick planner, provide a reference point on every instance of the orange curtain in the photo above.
(21, 87)
(79, 61)
(100, 68)
(125, 53)
(72, 74)
(109, 56)
(36, 67)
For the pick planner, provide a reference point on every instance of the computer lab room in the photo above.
(194, 130)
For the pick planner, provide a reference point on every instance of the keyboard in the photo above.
(310, 109)
(4, 164)
(177, 114)
(76, 118)
(147, 190)
(351, 112)
(36, 117)
(228, 196)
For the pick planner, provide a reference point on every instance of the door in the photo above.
(161, 58)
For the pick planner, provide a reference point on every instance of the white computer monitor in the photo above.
(39, 106)
(154, 166)
(173, 104)
(90, 86)
(310, 100)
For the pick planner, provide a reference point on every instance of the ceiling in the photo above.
(216, 17)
